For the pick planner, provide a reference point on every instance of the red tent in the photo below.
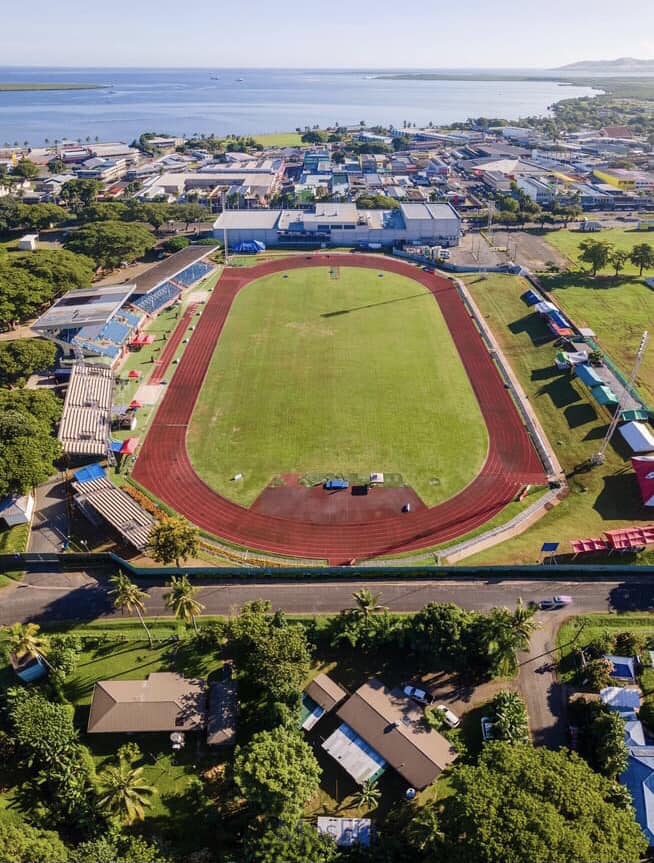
(134, 375)
(135, 404)
(644, 467)
(129, 446)
(630, 537)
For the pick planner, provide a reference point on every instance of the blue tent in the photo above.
(558, 319)
(531, 298)
(249, 247)
(588, 376)
(91, 471)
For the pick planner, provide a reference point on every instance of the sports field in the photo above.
(617, 309)
(320, 375)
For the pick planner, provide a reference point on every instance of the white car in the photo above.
(487, 728)
(555, 602)
(418, 695)
(449, 716)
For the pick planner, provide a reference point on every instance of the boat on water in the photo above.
(240, 79)
(215, 77)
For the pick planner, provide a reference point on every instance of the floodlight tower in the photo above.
(600, 455)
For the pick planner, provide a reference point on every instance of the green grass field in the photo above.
(320, 375)
(600, 499)
(618, 310)
(279, 139)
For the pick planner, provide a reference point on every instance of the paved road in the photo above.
(66, 596)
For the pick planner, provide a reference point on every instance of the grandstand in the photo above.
(168, 291)
(97, 496)
(92, 323)
(86, 419)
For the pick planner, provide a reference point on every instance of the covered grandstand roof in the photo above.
(86, 417)
(83, 308)
(117, 508)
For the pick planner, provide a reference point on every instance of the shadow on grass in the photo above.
(620, 499)
(374, 305)
(579, 415)
(561, 392)
(533, 326)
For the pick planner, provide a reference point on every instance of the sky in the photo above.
(332, 34)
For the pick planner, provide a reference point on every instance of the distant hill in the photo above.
(622, 64)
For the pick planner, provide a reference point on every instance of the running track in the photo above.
(164, 467)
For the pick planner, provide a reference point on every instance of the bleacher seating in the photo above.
(103, 350)
(114, 331)
(129, 317)
(157, 298)
(193, 274)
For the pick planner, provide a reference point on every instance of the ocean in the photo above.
(250, 101)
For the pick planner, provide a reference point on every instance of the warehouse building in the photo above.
(331, 224)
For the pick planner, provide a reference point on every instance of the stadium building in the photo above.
(330, 224)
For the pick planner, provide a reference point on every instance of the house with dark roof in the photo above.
(382, 727)
(164, 701)
(320, 696)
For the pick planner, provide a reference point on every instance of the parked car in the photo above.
(449, 716)
(418, 695)
(487, 728)
(555, 602)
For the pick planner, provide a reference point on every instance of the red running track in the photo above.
(165, 469)
(173, 342)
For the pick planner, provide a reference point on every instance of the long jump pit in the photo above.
(349, 532)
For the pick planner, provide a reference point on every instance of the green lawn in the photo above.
(12, 540)
(318, 375)
(602, 498)
(279, 139)
(618, 310)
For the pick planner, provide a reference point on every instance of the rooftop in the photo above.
(80, 308)
(325, 692)
(393, 725)
(164, 701)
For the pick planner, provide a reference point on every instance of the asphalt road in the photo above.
(79, 596)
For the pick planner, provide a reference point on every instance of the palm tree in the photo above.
(523, 623)
(367, 797)
(128, 597)
(510, 721)
(367, 602)
(24, 640)
(423, 830)
(181, 599)
(125, 794)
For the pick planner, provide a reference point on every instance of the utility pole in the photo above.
(600, 455)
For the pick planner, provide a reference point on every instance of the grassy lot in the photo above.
(279, 139)
(600, 499)
(321, 375)
(12, 540)
(578, 632)
(618, 310)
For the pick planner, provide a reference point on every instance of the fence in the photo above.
(109, 561)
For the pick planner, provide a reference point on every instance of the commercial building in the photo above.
(332, 224)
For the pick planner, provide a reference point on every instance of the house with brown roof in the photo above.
(164, 701)
(320, 696)
(382, 727)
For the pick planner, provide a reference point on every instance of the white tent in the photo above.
(638, 436)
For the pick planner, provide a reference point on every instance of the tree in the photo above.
(642, 256)
(22, 843)
(28, 450)
(181, 600)
(628, 643)
(115, 847)
(26, 169)
(509, 718)
(524, 803)
(125, 795)
(128, 597)
(286, 843)
(277, 773)
(596, 253)
(602, 741)
(111, 243)
(367, 603)
(24, 639)
(56, 166)
(40, 216)
(618, 259)
(505, 634)
(441, 631)
(597, 673)
(80, 193)
(367, 796)
(22, 357)
(173, 538)
(176, 244)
